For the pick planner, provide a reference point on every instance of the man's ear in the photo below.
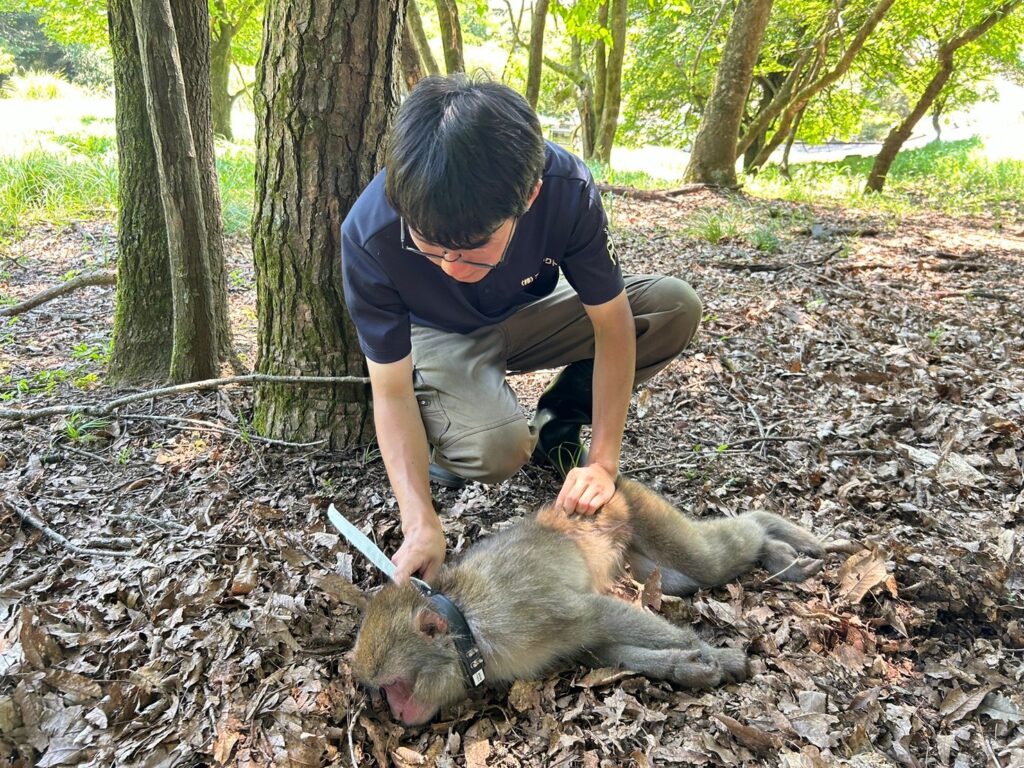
(431, 623)
(533, 195)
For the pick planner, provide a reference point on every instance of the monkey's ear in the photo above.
(431, 623)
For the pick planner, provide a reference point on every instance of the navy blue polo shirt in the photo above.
(388, 288)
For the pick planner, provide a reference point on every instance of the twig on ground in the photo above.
(664, 195)
(104, 409)
(219, 428)
(82, 281)
(34, 520)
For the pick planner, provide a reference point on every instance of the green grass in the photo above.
(79, 180)
(44, 186)
(950, 176)
(37, 86)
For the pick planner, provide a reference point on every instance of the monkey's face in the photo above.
(405, 648)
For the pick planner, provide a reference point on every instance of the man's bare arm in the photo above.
(403, 446)
(587, 489)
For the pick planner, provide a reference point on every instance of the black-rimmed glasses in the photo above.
(452, 258)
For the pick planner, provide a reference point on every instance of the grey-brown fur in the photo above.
(531, 598)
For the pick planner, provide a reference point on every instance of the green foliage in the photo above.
(7, 65)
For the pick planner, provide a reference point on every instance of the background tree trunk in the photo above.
(536, 61)
(141, 348)
(610, 103)
(795, 103)
(422, 43)
(220, 79)
(947, 52)
(412, 67)
(192, 27)
(194, 355)
(713, 160)
(451, 35)
(307, 178)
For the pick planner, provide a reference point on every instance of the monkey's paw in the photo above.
(802, 568)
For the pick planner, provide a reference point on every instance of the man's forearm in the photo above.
(614, 371)
(403, 446)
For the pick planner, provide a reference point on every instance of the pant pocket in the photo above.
(435, 419)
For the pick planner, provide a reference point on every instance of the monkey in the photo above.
(534, 595)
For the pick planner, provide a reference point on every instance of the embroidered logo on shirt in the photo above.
(611, 247)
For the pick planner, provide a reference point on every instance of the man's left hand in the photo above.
(586, 489)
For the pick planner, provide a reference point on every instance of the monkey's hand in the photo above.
(421, 553)
(586, 489)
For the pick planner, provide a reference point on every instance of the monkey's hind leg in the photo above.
(646, 643)
(789, 552)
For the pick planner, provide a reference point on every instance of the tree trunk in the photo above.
(451, 35)
(141, 348)
(798, 101)
(412, 67)
(533, 73)
(326, 93)
(195, 350)
(600, 68)
(613, 83)
(947, 52)
(220, 78)
(422, 43)
(714, 149)
(192, 26)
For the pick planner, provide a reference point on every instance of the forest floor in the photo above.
(861, 375)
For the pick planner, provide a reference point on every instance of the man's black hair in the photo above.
(464, 155)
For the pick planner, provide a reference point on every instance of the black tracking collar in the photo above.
(469, 654)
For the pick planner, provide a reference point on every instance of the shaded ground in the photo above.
(870, 387)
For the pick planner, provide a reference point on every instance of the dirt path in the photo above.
(870, 387)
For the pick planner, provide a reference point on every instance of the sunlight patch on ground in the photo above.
(27, 124)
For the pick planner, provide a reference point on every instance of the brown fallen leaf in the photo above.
(861, 573)
(750, 736)
(958, 704)
(405, 757)
(524, 695)
(651, 595)
(228, 733)
(246, 577)
(73, 683)
(477, 751)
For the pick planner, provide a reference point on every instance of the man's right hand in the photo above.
(421, 553)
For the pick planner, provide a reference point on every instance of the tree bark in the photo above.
(195, 351)
(326, 93)
(192, 26)
(946, 61)
(795, 103)
(412, 67)
(613, 83)
(600, 69)
(536, 61)
(422, 43)
(713, 160)
(220, 79)
(451, 35)
(142, 343)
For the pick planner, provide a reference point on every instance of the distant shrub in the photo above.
(37, 85)
(7, 65)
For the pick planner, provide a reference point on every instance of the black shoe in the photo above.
(558, 443)
(565, 405)
(443, 477)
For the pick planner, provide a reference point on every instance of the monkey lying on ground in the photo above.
(532, 595)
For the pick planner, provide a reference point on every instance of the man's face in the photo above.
(471, 264)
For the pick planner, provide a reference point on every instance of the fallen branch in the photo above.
(82, 281)
(971, 295)
(104, 409)
(660, 194)
(753, 266)
(36, 522)
(212, 426)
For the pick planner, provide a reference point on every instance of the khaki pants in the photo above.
(473, 420)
